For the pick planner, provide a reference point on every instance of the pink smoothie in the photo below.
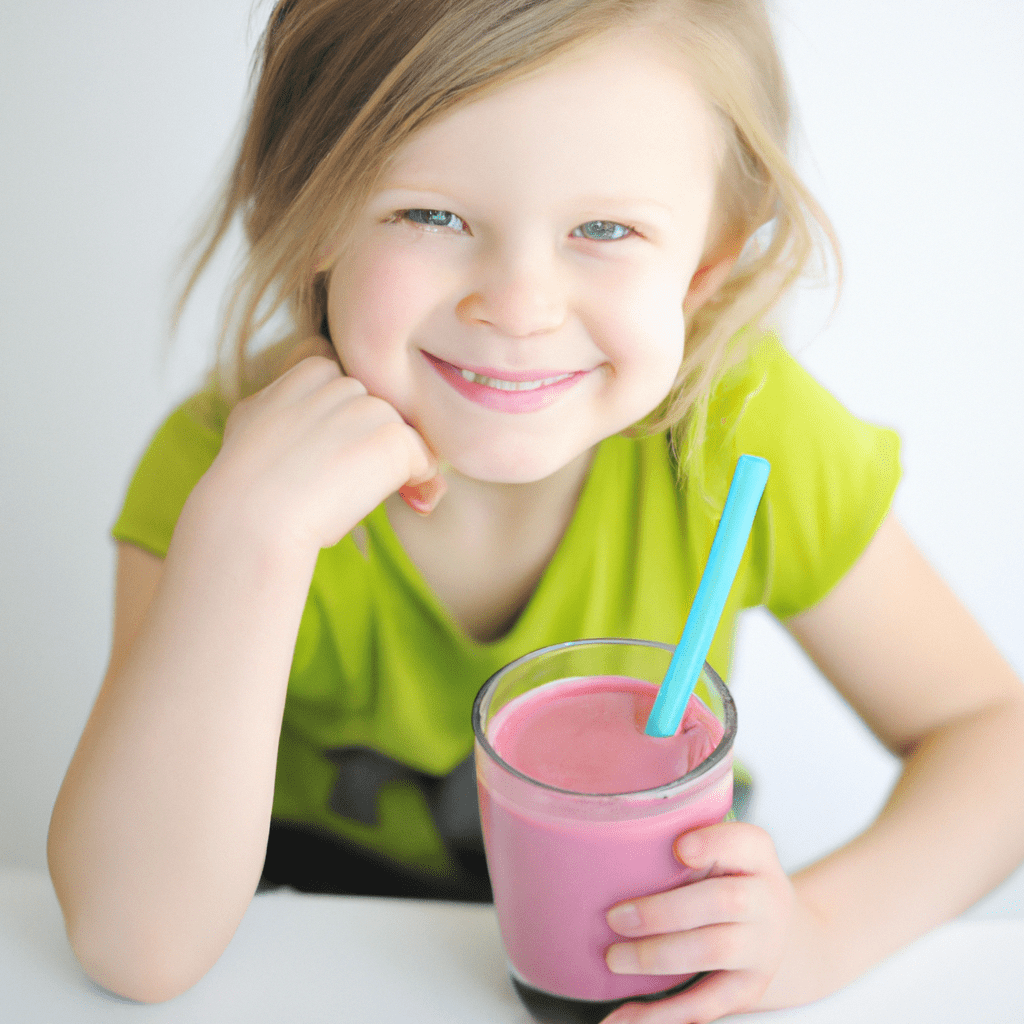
(559, 860)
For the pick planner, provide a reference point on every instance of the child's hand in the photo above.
(740, 924)
(310, 455)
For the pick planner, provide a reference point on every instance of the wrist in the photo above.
(233, 525)
(222, 548)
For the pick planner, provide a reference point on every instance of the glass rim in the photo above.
(663, 791)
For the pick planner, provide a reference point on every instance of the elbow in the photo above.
(141, 941)
(148, 951)
(132, 957)
(142, 972)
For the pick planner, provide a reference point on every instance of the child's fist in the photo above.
(733, 924)
(307, 457)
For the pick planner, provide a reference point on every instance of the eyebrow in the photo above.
(625, 201)
(418, 189)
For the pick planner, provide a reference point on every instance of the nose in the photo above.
(519, 298)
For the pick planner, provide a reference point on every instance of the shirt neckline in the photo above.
(379, 527)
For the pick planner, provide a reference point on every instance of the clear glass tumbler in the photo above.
(559, 859)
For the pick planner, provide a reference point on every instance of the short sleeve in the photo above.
(832, 479)
(179, 454)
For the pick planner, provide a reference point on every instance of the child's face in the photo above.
(548, 230)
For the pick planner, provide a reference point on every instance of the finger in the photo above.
(423, 498)
(304, 378)
(719, 900)
(714, 997)
(729, 848)
(716, 947)
(312, 372)
(414, 462)
(310, 389)
(312, 346)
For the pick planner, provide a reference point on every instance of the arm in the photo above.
(159, 832)
(920, 672)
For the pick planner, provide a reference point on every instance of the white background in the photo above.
(114, 116)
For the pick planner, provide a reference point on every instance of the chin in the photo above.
(509, 467)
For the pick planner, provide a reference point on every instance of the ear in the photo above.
(712, 273)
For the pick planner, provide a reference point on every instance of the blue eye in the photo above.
(435, 219)
(602, 231)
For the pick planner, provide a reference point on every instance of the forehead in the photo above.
(618, 113)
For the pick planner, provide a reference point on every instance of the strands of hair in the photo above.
(341, 85)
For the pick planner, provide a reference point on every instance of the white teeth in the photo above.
(512, 385)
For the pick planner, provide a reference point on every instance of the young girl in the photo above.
(525, 247)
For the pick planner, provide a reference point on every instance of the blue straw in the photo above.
(727, 548)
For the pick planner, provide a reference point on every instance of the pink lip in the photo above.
(505, 401)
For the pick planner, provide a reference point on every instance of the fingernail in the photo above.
(624, 919)
(423, 498)
(621, 959)
(688, 852)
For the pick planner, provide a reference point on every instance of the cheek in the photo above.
(374, 306)
(646, 330)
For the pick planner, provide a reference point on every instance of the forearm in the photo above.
(952, 829)
(159, 831)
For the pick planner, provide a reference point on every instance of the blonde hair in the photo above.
(341, 85)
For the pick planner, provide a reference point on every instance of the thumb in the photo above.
(727, 848)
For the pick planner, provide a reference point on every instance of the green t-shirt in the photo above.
(382, 682)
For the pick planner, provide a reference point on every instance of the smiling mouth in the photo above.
(514, 391)
(513, 385)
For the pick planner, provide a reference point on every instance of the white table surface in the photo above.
(315, 959)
